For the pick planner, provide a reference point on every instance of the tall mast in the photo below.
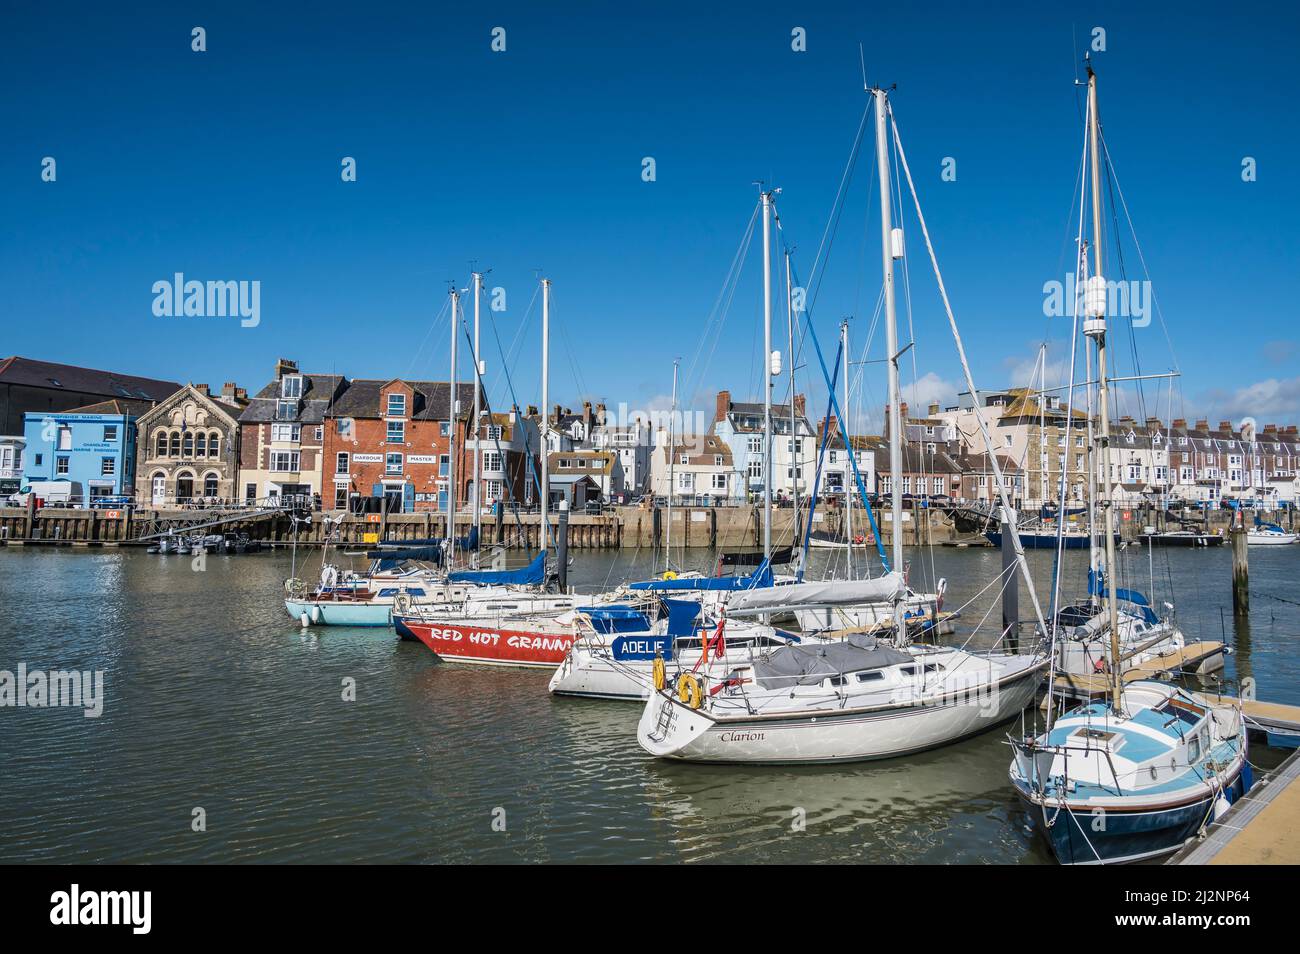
(451, 433)
(789, 355)
(672, 461)
(848, 447)
(1095, 328)
(767, 374)
(891, 334)
(478, 407)
(546, 409)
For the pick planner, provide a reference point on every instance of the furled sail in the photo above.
(883, 589)
(533, 573)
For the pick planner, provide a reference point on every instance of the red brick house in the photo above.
(390, 439)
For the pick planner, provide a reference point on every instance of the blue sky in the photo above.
(225, 165)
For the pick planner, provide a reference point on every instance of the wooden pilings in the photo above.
(1240, 570)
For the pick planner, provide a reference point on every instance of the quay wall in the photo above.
(631, 527)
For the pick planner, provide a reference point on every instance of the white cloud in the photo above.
(1277, 400)
(928, 389)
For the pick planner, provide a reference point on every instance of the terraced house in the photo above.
(282, 436)
(697, 469)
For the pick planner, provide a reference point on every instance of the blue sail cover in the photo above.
(533, 573)
(1097, 587)
(616, 619)
(759, 578)
(681, 616)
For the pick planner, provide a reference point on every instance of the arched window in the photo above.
(201, 445)
(160, 444)
(187, 445)
(210, 485)
(176, 444)
(214, 444)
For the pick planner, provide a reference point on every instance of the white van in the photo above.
(54, 492)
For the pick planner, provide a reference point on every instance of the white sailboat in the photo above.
(1153, 762)
(862, 697)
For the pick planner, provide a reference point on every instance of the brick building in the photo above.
(390, 439)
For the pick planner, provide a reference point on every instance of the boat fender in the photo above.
(669, 575)
(304, 619)
(689, 691)
(315, 614)
(660, 673)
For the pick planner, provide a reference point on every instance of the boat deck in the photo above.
(1263, 827)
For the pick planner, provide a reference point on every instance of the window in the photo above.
(566, 463)
(201, 445)
(396, 406)
(110, 433)
(396, 432)
(684, 459)
(831, 457)
(60, 464)
(39, 459)
(443, 428)
(340, 496)
(107, 466)
(284, 461)
(160, 444)
(937, 483)
(187, 445)
(291, 386)
(444, 464)
(717, 460)
(214, 440)
(907, 484)
(494, 432)
(286, 432)
(686, 482)
(756, 445)
(886, 484)
(756, 469)
(286, 410)
(719, 481)
(210, 485)
(393, 463)
(341, 462)
(250, 492)
(492, 461)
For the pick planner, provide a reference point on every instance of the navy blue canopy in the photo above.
(533, 573)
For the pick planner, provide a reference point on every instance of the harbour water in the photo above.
(216, 700)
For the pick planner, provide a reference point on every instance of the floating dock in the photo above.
(1194, 659)
(1262, 828)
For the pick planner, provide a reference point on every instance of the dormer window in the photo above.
(291, 386)
(396, 405)
(286, 410)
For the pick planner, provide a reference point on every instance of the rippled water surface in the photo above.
(216, 699)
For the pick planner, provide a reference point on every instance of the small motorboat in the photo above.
(1265, 534)
(1181, 538)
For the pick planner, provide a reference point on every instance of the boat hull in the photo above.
(1270, 539)
(1035, 541)
(487, 643)
(672, 730)
(329, 613)
(1180, 540)
(1082, 837)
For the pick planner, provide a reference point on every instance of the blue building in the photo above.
(92, 447)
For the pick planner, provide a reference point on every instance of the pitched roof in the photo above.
(67, 377)
(318, 390)
(131, 408)
(431, 402)
(702, 450)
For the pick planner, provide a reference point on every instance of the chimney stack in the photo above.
(203, 389)
(1203, 424)
(934, 409)
(228, 389)
(723, 406)
(284, 366)
(800, 403)
(1225, 426)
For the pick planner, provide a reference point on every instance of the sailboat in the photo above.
(867, 696)
(1136, 774)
